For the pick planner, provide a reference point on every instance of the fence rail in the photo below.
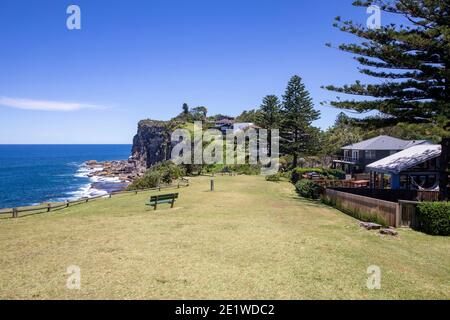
(183, 182)
(393, 195)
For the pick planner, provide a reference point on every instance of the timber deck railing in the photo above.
(47, 207)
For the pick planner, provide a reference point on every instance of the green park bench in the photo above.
(163, 198)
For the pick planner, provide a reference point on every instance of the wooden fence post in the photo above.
(15, 213)
(67, 203)
(49, 207)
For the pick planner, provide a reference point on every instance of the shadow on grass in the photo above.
(308, 202)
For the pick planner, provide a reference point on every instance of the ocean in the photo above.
(32, 174)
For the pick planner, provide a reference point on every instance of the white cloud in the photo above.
(29, 104)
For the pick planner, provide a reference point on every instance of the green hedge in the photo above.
(247, 169)
(273, 178)
(434, 218)
(296, 174)
(308, 189)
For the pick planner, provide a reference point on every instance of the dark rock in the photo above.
(389, 232)
(91, 163)
(151, 144)
(370, 225)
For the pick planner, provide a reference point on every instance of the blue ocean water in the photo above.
(31, 174)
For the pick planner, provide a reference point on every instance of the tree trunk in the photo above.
(443, 165)
(294, 161)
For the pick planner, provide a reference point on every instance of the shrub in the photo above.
(297, 173)
(151, 179)
(164, 172)
(295, 176)
(434, 218)
(334, 174)
(273, 178)
(308, 170)
(308, 189)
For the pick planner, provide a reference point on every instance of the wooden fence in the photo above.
(183, 182)
(393, 195)
(408, 213)
(364, 207)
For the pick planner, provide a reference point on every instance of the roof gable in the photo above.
(384, 143)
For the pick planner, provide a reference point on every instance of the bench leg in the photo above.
(156, 204)
(173, 201)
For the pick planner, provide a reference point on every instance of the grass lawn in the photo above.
(248, 239)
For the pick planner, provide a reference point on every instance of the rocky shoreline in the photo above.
(125, 171)
(151, 145)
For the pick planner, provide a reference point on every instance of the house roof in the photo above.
(406, 159)
(384, 143)
(242, 126)
(225, 121)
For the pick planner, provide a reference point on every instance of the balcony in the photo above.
(347, 160)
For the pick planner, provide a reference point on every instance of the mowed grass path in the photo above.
(248, 239)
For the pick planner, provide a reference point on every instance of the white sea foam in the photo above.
(84, 171)
(87, 190)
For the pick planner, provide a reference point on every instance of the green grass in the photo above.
(248, 239)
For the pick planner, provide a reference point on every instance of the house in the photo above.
(358, 155)
(414, 168)
(238, 126)
(224, 124)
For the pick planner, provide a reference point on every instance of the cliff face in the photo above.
(151, 144)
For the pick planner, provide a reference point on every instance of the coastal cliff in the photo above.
(151, 144)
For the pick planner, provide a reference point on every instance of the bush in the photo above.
(297, 173)
(308, 189)
(295, 176)
(334, 174)
(247, 169)
(164, 172)
(308, 170)
(273, 178)
(434, 218)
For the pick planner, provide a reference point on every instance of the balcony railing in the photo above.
(346, 159)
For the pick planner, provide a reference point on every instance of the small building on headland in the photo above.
(415, 168)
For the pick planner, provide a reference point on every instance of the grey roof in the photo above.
(406, 159)
(385, 143)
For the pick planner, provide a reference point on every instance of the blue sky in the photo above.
(142, 59)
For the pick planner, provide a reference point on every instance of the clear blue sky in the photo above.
(142, 59)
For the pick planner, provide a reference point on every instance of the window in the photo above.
(370, 154)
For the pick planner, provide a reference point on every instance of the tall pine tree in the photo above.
(269, 113)
(269, 116)
(297, 134)
(413, 62)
